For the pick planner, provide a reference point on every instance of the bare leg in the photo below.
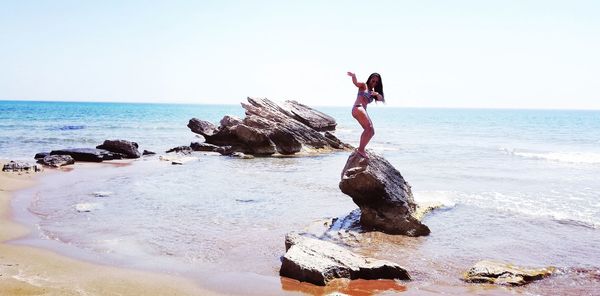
(361, 115)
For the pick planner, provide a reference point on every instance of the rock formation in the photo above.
(385, 199)
(318, 262)
(492, 272)
(270, 128)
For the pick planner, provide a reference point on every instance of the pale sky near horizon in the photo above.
(477, 54)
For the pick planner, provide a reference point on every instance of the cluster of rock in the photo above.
(270, 128)
(385, 203)
(18, 166)
(109, 150)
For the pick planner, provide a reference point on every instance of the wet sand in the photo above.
(28, 270)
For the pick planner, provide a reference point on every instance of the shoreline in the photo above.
(27, 270)
(37, 269)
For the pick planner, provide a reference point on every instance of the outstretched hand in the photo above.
(351, 74)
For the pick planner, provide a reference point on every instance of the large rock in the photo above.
(493, 272)
(88, 154)
(385, 199)
(318, 262)
(127, 148)
(270, 128)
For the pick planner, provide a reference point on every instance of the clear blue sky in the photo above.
(492, 54)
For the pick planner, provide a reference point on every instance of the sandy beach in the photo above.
(31, 271)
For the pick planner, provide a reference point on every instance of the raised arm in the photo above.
(360, 85)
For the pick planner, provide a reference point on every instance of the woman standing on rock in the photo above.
(367, 93)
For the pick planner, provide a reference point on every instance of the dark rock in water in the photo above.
(226, 150)
(147, 152)
(17, 166)
(57, 160)
(385, 199)
(181, 149)
(492, 272)
(196, 146)
(318, 262)
(88, 154)
(271, 128)
(41, 155)
(127, 148)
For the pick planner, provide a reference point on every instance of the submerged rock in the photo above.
(385, 199)
(318, 262)
(147, 152)
(493, 272)
(87, 207)
(181, 149)
(178, 160)
(270, 128)
(127, 148)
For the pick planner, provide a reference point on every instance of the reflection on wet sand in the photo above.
(357, 287)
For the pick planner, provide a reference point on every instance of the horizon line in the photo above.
(231, 104)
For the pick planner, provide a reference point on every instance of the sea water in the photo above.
(521, 186)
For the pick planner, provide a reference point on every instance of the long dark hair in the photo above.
(379, 87)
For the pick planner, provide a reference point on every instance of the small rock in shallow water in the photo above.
(487, 271)
(318, 262)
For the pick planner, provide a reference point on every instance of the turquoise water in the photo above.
(513, 182)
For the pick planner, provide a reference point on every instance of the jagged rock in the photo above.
(202, 127)
(196, 146)
(127, 148)
(18, 166)
(269, 128)
(229, 121)
(256, 141)
(57, 160)
(311, 117)
(493, 272)
(385, 199)
(88, 154)
(181, 149)
(318, 262)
